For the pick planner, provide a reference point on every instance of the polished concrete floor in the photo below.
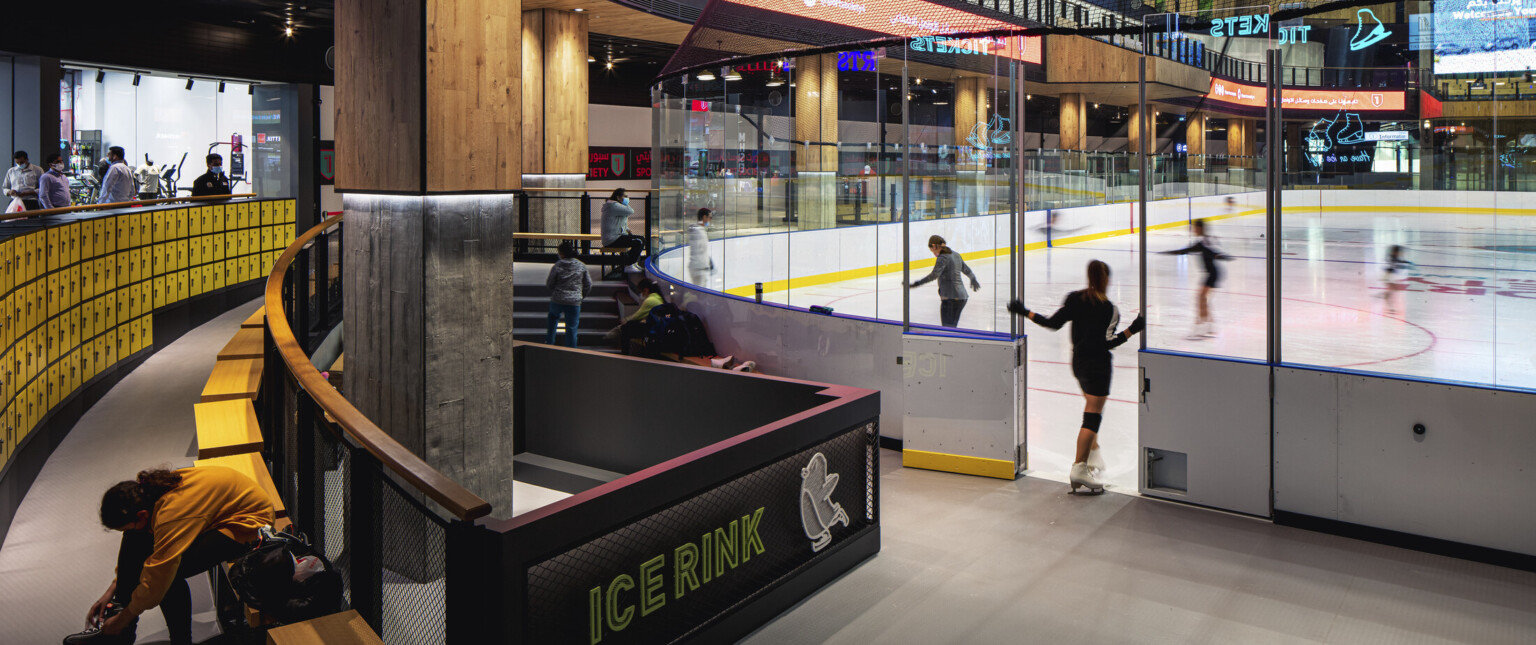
(964, 559)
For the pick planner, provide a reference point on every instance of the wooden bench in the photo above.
(247, 343)
(251, 465)
(233, 379)
(257, 320)
(345, 628)
(226, 428)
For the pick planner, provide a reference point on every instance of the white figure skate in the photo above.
(1083, 476)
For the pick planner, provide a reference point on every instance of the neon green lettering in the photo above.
(684, 559)
(651, 584)
(618, 620)
(749, 539)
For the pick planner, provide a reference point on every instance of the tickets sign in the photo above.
(1292, 99)
(906, 18)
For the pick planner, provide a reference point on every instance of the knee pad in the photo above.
(1091, 420)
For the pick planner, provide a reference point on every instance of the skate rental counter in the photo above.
(88, 294)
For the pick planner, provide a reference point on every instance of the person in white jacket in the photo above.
(700, 264)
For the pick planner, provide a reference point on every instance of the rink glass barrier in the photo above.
(815, 165)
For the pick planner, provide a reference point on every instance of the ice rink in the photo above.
(1461, 313)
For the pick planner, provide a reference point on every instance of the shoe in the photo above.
(93, 635)
(1083, 476)
(748, 367)
(719, 362)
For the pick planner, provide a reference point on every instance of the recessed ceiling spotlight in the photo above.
(578, 10)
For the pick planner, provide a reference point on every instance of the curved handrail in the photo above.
(458, 500)
(142, 202)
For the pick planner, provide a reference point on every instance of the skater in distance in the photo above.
(1094, 319)
(947, 267)
(1205, 245)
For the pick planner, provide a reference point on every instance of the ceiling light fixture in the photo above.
(288, 31)
(101, 75)
(221, 87)
(189, 84)
(705, 75)
(731, 74)
(578, 10)
(610, 64)
(250, 90)
(136, 79)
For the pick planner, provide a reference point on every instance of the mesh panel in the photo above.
(733, 31)
(332, 476)
(415, 559)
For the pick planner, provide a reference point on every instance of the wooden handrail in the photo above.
(458, 500)
(583, 189)
(143, 202)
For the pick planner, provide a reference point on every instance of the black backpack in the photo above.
(263, 579)
(670, 330)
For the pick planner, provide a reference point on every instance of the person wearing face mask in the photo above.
(700, 264)
(117, 183)
(615, 226)
(21, 181)
(53, 188)
(213, 182)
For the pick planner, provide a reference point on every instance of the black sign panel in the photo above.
(665, 575)
(610, 163)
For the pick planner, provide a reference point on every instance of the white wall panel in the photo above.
(1306, 442)
(963, 397)
(1217, 413)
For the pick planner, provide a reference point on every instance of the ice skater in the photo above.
(1094, 319)
(947, 267)
(1205, 245)
(1397, 267)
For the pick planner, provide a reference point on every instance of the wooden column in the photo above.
(1133, 130)
(429, 112)
(554, 120)
(1240, 139)
(1194, 138)
(970, 120)
(1074, 122)
(816, 133)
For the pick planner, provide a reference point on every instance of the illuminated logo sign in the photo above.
(1387, 135)
(860, 61)
(986, 139)
(905, 18)
(1253, 96)
(947, 45)
(1366, 18)
(818, 513)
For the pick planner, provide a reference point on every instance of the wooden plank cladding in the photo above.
(474, 95)
(555, 81)
(533, 91)
(378, 96)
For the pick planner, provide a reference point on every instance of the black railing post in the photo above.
(323, 280)
(586, 221)
(522, 220)
(309, 494)
(474, 598)
(648, 212)
(365, 538)
(269, 407)
(301, 294)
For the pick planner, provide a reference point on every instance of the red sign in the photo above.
(1429, 106)
(906, 18)
(1254, 96)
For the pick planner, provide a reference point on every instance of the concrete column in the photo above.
(555, 82)
(33, 109)
(1194, 139)
(815, 136)
(428, 141)
(1074, 122)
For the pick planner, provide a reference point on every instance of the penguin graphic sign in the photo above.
(818, 513)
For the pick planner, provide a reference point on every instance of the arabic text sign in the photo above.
(907, 18)
(1253, 96)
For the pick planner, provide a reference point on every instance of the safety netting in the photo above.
(744, 31)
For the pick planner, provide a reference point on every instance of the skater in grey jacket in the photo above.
(700, 264)
(569, 283)
(947, 268)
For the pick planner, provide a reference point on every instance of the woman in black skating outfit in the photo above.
(1094, 319)
(1209, 254)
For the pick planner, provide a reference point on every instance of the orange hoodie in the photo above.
(209, 498)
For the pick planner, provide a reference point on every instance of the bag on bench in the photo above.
(286, 579)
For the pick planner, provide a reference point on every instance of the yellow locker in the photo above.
(209, 283)
(69, 330)
(125, 337)
(88, 275)
(228, 268)
(134, 273)
(122, 226)
(267, 212)
(7, 268)
(248, 215)
(230, 247)
(289, 207)
(104, 307)
(109, 347)
(53, 293)
(157, 293)
(6, 386)
(194, 251)
(7, 323)
(216, 242)
(252, 241)
(53, 250)
(124, 308)
(76, 239)
(160, 225)
(98, 245)
(183, 257)
(143, 271)
(146, 228)
(72, 295)
(135, 302)
(183, 223)
(140, 335)
(97, 357)
(88, 361)
(183, 285)
(217, 217)
(200, 223)
(194, 282)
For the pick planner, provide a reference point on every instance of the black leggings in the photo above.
(636, 246)
(206, 551)
(949, 311)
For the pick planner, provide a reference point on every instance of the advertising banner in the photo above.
(666, 574)
(1292, 99)
(908, 18)
(1483, 36)
(617, 163)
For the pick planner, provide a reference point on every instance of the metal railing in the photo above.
(393, 526)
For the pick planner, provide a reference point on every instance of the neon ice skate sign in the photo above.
(1368, 29)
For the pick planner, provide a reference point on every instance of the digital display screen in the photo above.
(910, 18)
(1481, 36)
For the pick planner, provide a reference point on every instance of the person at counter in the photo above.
(117, 183)
(21, 181)
(53, 188)
(213, 182)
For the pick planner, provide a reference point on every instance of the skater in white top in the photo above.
(1397, 269)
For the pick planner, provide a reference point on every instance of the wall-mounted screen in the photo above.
(1481, 36)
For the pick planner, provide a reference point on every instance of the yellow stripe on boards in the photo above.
(895, 267)
(962, 464)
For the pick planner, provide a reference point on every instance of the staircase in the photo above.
(599, 313)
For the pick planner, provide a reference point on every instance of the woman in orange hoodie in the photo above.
(175, 524)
